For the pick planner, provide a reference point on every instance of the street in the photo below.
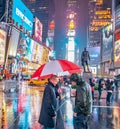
(20, 110)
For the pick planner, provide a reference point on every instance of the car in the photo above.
(37, 82)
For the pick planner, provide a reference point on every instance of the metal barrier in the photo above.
(11, 86)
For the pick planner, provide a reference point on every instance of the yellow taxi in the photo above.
(37, 82)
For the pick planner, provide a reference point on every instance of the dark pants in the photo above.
(100, 93)
(48, 128)
(81, 122)
(109, 95)
(93, 95)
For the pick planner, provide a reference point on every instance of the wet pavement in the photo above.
(20, 110)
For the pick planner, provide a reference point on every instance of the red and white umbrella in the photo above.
(56, 67)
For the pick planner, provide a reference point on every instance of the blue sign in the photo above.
(22, 15)
(94, 53)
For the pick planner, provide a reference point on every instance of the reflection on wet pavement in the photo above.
(21, 110)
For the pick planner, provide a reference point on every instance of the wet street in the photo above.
(21, 110)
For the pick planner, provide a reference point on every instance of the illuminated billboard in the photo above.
(107, 43)
(2, 46)
(13, 42)
(38, 30)
(22, 15)
(117, 18)
(25, 47)
(94, 53)
(117, 53)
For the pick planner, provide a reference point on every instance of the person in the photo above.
(92, 84)
(109, 89)
(101, 85)
(47, 116)
(85, 57)
(83, 102)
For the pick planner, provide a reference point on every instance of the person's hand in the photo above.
(59, 90)
(54, 117)
(75, 114)
(41, 126)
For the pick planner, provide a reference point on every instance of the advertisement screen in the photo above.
(94, 53)
(13, 42)
(22, 15)
(37, 52)
(107, 43)
(25, 47)
(117, 53)
(2, 46)
(117, 18)
(38, 30)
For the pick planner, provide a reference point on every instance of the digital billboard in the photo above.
(94, 53)
(37, 52)
(38, 30)
(25, 47)
(22, 15)
(117, 18)
(107, 43)
(2, 46)
(117, 53)
(13, 43)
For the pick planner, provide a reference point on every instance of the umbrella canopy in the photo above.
(57, 67)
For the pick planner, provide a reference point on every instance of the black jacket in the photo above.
(49, 105)
(83, 100)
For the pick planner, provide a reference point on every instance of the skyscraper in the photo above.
(41, 9)
(62, 9)
(100, 14)
(2, 10)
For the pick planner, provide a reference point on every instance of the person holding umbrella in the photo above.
(47, 116)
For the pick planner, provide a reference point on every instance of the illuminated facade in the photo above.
(42, 11)
(76, 28)
(100, 14)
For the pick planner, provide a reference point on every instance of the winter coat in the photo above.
(83, 100)
(49, 105)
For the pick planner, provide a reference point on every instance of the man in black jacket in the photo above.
(49, 105)
(83, 102)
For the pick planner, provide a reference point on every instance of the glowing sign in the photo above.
(117, 53)
(52, 25)
(38, 30)
(99, 2)
(22, 15)
(103, 12)
(117, 36)
(72, 25)
(2, 46)
(100, 23)
(71, 33)
(93, 28)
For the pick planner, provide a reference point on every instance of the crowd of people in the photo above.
(107, 85)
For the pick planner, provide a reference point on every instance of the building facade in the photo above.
(100, 14)
(42, 10)
(2, 10)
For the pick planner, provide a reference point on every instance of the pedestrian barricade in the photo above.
(11, 86)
